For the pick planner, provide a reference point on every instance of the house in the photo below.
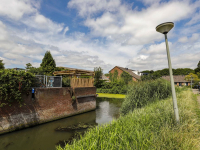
(135, 74)
(75, 73)
(18, 69)
(106, 79)
(179, 80)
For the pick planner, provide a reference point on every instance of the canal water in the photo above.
(44, 136)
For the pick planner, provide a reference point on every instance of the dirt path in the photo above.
(196, 91)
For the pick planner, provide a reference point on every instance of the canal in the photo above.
(45, 137)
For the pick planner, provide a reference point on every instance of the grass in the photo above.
(140, 94)
(111, 95)
(149, 127)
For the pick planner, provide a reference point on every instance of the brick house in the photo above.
(129, 71)
(179, 80)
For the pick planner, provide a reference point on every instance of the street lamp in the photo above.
(164, 28)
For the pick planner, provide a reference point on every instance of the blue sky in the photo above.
(106, 33)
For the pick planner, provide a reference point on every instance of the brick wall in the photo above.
(49, 104)
(120, 72)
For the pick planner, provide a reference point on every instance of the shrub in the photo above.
(66, 82)
(142, 93)
(13, 83)
(117, 87)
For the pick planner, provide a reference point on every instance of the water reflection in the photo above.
(44, 137)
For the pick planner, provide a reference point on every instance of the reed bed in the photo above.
(142, 93)
(149, 127)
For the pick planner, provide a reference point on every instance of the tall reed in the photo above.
(142, 93)
(149, 127)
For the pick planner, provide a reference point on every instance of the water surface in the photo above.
(44, 136)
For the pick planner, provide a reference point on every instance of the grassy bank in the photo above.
(111, 95)
(149, 127)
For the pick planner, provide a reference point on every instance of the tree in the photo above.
(110, 77)
(198, 65)
(48, 63)
(28, 66)
(126, 77)
(193, 76)
(115, 75)
(97, 76)
(107, 74)
(1, 65)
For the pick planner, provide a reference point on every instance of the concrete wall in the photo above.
(49, 104)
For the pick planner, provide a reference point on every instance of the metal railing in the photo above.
(53, 81)
(48, 81)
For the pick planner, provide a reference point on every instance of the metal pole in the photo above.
(46, 81)
(172, 82)
(191, 82)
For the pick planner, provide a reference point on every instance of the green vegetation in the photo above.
(48, 64)
(143, 93)
(111, 95)
(13, 84)
(117, 87)
(66, 82)
(152, 75)
(126, 77)
(34, 70)
(97, 76)
(1, 65)
(198, 65)
(150, 127)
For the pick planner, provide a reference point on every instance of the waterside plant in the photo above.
(149, 127)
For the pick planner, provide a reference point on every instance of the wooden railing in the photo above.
(82, 82)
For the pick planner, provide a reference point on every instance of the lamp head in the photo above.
(164, 28)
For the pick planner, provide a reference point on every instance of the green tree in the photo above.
(48, 64)
(126, 77)
(36, 71)
(97, 76)
(110, 77)
(193, 76)
(28, 66)
(1, 65)
(115, 75)
(107, 74)
(198, 65)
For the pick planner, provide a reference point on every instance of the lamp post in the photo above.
(164, 28)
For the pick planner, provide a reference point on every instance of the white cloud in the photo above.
(150, 2)
(3, 32)
(193, 38)
(183, 39)
(135, 27)
(40, 19)
(91, 7)
(119, 35)
(15, 9)
(65, 30)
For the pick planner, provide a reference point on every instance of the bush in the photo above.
(66, 82)
(142, 93)
(117, 87)
(13, 83)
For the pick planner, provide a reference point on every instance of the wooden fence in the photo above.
(82, 82)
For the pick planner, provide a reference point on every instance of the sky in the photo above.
(99, 33)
